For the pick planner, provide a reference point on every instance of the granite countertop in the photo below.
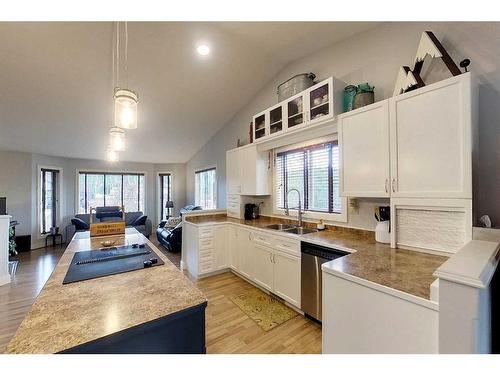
(64, 316)
(403, 270)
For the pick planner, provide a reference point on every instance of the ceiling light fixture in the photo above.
(112, 155)
(126, 100)
(117, 138)
(203, 49)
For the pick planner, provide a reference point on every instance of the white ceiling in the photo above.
(56, 81)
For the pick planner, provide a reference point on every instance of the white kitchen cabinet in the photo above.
(245, 253)
(255, 167)
(220, 250)
(319, 102)
(431, 140)
(234, 207)
(204, 249)
(233, 184)
(232, 246)
(364, 151)
(261, 125)
(286, 282)
(263, 270)
(426, 151)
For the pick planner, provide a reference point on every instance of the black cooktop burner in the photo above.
(92, 264)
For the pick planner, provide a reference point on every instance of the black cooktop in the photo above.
(92, 264)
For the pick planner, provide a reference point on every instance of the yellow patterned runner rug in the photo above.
(263, 309)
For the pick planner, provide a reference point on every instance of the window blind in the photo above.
(314, 172)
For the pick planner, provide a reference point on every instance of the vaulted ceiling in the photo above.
(56, 81)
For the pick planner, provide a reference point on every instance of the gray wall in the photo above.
(375, 57)
(15, 184)
(19, 183)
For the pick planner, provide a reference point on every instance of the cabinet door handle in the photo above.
(274, 259)
(393, 185)
(271, 257)
(386, 186)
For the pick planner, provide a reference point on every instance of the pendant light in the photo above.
(125, 99)
(117, 138)
(112, 155)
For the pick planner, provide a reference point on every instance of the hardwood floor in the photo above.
(228, 329)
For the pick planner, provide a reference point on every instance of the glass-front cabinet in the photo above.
(276, 121)
(320, 101)
(295, 110)
(311, 106)
(260, 122)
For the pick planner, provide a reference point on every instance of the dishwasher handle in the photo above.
(321, 251)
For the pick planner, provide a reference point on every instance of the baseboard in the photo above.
(5, 279)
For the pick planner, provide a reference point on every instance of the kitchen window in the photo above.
(165, 194)
(206, 188)
(49, 179)
(111, 189)
(314, 171)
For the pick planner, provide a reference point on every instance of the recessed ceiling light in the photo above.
(203, 49)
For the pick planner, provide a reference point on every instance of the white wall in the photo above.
(375, 57)
(19, 183)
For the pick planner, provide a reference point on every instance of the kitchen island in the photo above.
(152, 310)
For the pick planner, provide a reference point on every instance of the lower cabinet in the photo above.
(276, 270)
(270, 261)
(264, 266)
(287, 277)
(244, 253)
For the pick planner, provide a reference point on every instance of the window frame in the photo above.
(94, 171)
(208, 168)
(317, 215)
(59, 197)
(160, 191)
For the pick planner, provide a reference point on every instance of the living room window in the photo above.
(314, 171)
(206, 188)
(111, 189)
(49, 180)
(165, 181)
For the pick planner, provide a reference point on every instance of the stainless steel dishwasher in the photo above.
(313, 256)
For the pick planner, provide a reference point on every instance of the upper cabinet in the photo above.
(233, 184)
(431, 140)
(317, 104)
(320, 101)
(417, 144)
(248, 171)
(364, 151)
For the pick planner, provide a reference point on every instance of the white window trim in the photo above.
(158, 195)
(314, 215)
(92, 170)
(216, 183)
(60, 198)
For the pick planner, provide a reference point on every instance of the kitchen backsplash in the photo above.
(360, 217)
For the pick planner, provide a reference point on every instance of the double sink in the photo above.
(289, 228)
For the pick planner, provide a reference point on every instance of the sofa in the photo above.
(130, 217)
(171, 238)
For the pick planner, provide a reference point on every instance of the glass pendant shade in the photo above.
(125, 108)
(117, 138)
(112, 155)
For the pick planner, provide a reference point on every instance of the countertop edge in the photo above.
(382, 288)
(486, 257)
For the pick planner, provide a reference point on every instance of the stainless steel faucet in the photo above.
(287, 211)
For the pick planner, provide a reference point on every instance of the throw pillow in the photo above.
(173, 221)
(80, 224)
(141, 220)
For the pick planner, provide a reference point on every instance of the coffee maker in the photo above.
(251, 211)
